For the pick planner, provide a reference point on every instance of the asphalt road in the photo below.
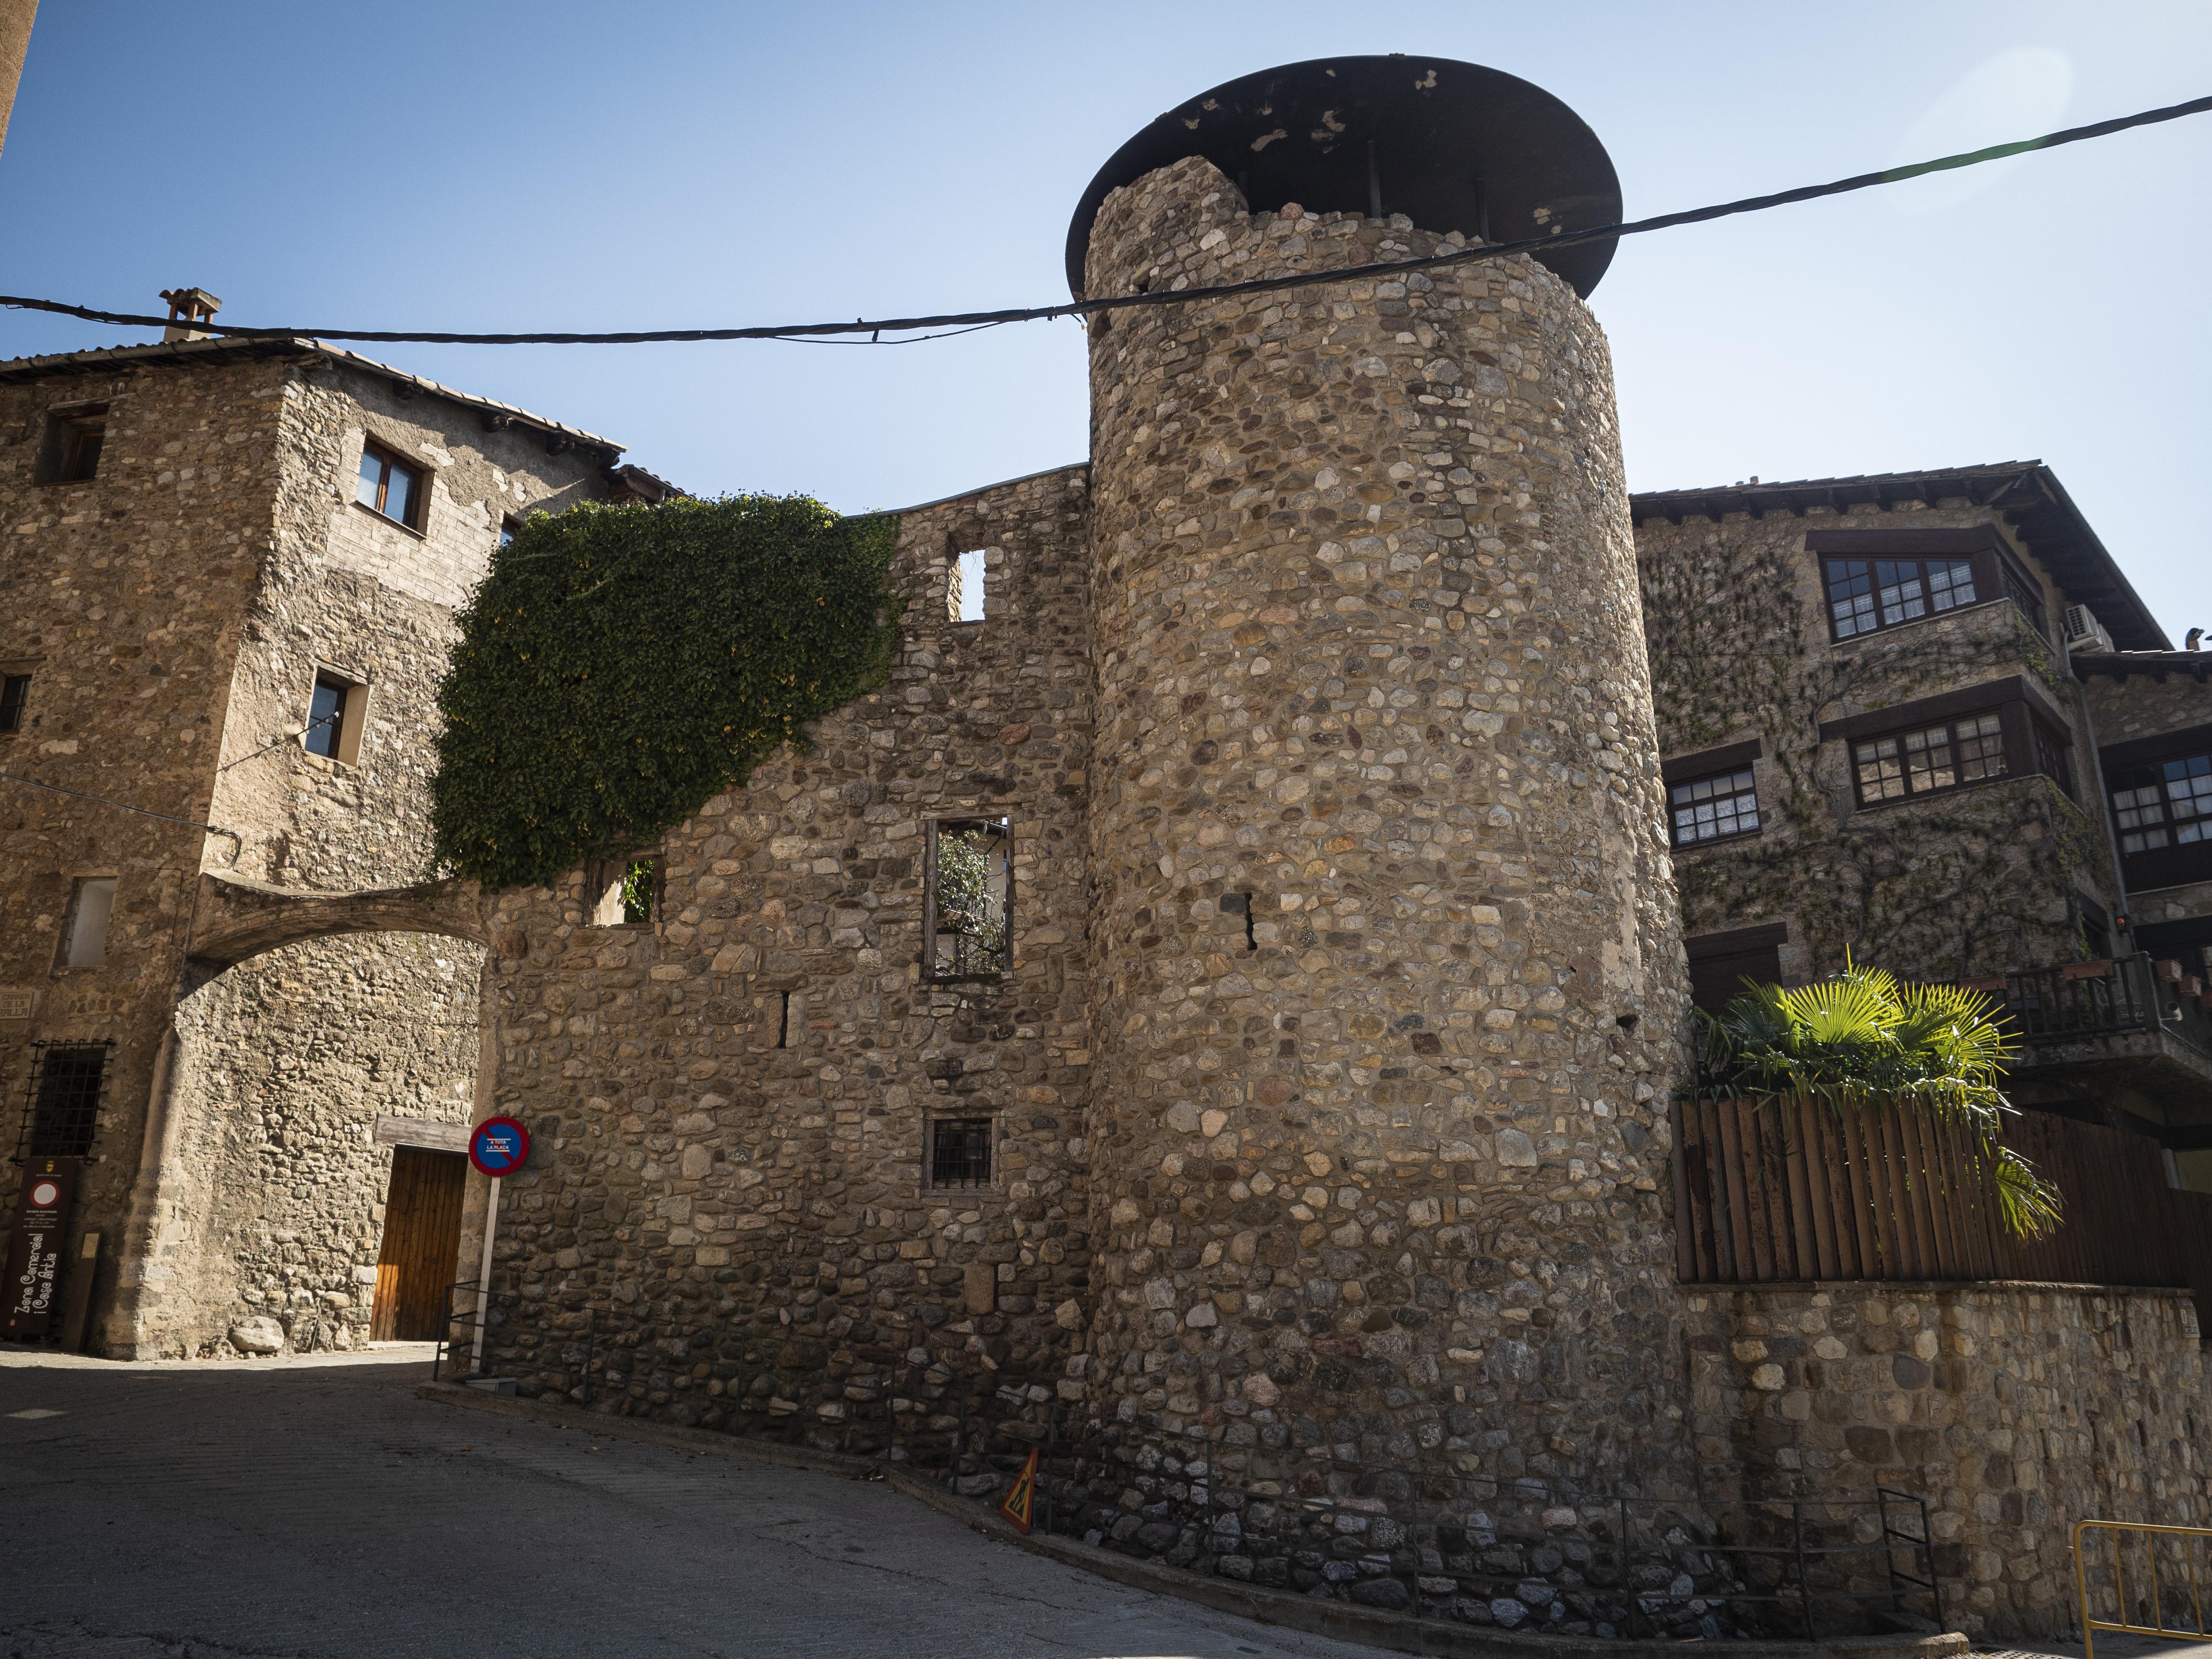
(316, 1507)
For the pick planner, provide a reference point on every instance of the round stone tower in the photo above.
(1385, 933)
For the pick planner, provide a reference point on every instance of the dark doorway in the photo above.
(421, 1244)
(1720, 962)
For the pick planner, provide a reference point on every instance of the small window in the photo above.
(959, 1152)
(70, 453)
(963, 587)
(1715, 808)
(84, 931)
(506, 529)
(390, 486)
(2020, 589)
(624, 892)
(337, 711)
(65, 1113)
(1866, 594)
(2168, 804)
(15, 693)
(1933, 758)
(966, 908)
(2050, 755)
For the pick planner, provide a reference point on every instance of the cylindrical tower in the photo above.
(1391, 989)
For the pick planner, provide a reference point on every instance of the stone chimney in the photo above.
(188, 305)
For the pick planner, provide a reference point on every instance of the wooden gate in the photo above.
(421, 1244)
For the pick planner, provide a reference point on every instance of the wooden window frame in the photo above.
(418, 499)
(2178, 863)
(933, 830)
(1997, 572)
(2020, 708)
(60, 459)
(352, 717)
(932, 1125)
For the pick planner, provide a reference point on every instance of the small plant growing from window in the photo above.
(639, 879)
(971, 886)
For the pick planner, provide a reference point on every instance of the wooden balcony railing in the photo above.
(1790, 1192)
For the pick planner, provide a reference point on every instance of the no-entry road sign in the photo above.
(499, 1146)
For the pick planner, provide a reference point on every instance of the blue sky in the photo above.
(483, 164)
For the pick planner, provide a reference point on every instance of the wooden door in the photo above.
(421, 1244)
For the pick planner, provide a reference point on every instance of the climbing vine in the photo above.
(622, 666)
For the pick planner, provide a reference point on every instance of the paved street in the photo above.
(309, 1508)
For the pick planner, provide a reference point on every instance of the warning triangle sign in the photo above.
(1020, 1506)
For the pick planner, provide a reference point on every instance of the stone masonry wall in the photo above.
(747, 1227)
(1970, 883)
(2016, 1409)
(1374, 1189)
(121, 596)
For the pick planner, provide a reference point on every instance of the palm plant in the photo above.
(1862, 1041)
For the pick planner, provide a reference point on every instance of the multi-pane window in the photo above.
(389, 486)
(64, 1112)
(1934, 757)
(2168, 804)
(14, 694)
(1714, 808)
(960, 1152)
(967, 923)
(1866, 594)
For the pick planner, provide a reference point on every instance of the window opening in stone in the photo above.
(336, 714)
(963, 587)
(1714, 808)
(783, 1023)
(389, 486)
(967, 910)
(63, 1112)
(625, 892)
(74, 439)
(84, 933)
(1240, 904)
(14, 692)
(960, 1152)
(506, 529)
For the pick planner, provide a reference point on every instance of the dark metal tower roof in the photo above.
(1453, 146)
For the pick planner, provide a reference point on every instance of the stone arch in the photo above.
(236, 919)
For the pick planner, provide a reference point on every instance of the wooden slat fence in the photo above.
(1790, 1192)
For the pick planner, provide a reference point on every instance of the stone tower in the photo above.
(1389, 989)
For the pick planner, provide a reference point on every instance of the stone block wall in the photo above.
(2016, 1409)
(1970, 883)
(1373, 1179)
(731, 1102)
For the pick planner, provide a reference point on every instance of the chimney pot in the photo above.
(188, 305)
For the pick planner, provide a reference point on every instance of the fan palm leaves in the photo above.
(1863, 1041)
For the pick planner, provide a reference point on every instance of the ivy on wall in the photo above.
(1953, 885)
(622, 666)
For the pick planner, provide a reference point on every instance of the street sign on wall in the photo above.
(35, 1249)
(499, 1146)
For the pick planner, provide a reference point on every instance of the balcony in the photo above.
(2121, 1019)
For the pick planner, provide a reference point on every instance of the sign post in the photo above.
(34, 1252)
(497, 1146)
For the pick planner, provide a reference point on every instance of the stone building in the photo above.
(233, 571)
(1224, 991)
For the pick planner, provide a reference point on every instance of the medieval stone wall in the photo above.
(1972, 882)
(121, 596)
(2016, 1409)
(731, 1102)
(1373, 1180)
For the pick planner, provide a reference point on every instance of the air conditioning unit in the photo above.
(2084, 632)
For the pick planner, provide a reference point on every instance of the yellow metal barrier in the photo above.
(2118, 1530)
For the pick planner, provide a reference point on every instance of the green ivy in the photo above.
(620, 666)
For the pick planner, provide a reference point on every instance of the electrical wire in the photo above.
(965, 320)
(166, 818)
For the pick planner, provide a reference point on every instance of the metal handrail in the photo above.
(2109, 997)
(2158, 1627)
(469, 1321)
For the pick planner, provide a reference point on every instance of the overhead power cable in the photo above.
(79, 794)
(963, 320)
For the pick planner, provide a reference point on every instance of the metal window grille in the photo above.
(960, 1152)
(61, 1115)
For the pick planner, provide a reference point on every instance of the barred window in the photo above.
(2168, 804)
(959, 1152)
(1866, 594)
(63, 1112)
(1714, 808)
(1934, 757)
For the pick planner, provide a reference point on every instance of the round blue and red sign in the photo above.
(499, 1146)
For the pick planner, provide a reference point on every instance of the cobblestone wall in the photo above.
(733, 1099)
(1373, 1188)
(2016, 1409)
(1975, 882)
